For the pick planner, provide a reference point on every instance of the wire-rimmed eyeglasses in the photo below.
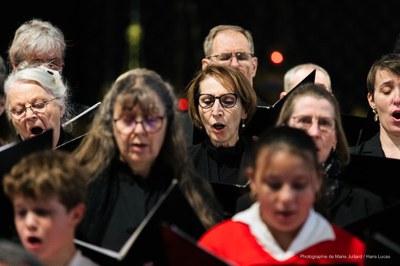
(325, 124)
(225, 57)
(227, 100)
(36, 107)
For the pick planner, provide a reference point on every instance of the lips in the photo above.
(33, 242)
(139, 144)
(138, 147)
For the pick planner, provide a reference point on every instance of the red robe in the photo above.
(234, 241)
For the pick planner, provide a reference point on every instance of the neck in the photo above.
(390, 144)
(230, 143)
(63, 257)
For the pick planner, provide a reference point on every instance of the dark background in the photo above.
(344, 37)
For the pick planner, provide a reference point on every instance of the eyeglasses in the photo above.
(53, 64)
(36, 107)
(325, 124)
(227, 100)
(125, 125)
(225, 57)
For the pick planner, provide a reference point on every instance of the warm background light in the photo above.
(276, 57)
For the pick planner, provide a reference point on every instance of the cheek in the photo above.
(331, 141)
(159, 140)
(203, 116)
(121, 141)
(17, 124)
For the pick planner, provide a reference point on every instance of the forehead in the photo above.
(281, 161)
(383, 76)
(22, 92)
(45, 201)
(313, 106)
(229, 40)
(147, 103)
(211, 85)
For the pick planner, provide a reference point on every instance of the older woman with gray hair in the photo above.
(36, 101)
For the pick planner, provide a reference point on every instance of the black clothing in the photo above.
(64, 137)
(371, 147)
(117, 202)
(349, 204)
(340, 202)
(221, 164)
(7, 132)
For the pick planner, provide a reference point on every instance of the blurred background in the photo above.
(105, 38)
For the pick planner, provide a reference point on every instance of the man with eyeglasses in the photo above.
(231, 45)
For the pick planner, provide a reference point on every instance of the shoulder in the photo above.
(197, 150)
(347, 239)
(227, 229)
(79, 260)
(371, 146)
(247, 142)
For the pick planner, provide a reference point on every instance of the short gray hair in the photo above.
(208, 42)
(50, 80)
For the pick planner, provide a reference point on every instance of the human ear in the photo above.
(77, 213)
(371, 100)
(254, 62)
(204, 63)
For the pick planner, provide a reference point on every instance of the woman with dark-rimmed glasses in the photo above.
(221, 102)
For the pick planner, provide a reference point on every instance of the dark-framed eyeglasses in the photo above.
(227, 100)
(226, 57)
(325, 124)
(125, 124)
(19, 112)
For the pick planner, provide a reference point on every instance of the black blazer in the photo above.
(371, 147)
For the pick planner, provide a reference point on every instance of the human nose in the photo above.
(397, 95)
(31, 221)
(217, 106)
(234, 62)
(286, 194)
(139, 128)
(314, 130)
(29, 112)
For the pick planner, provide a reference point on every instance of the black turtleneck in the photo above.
(221, 164)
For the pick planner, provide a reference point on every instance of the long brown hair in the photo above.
(99, 148)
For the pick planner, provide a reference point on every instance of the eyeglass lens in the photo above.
(325, 124)
(36, 107)
(240, 56)
(127, 125)
(227, 100)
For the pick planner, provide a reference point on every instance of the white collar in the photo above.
(316, 229)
